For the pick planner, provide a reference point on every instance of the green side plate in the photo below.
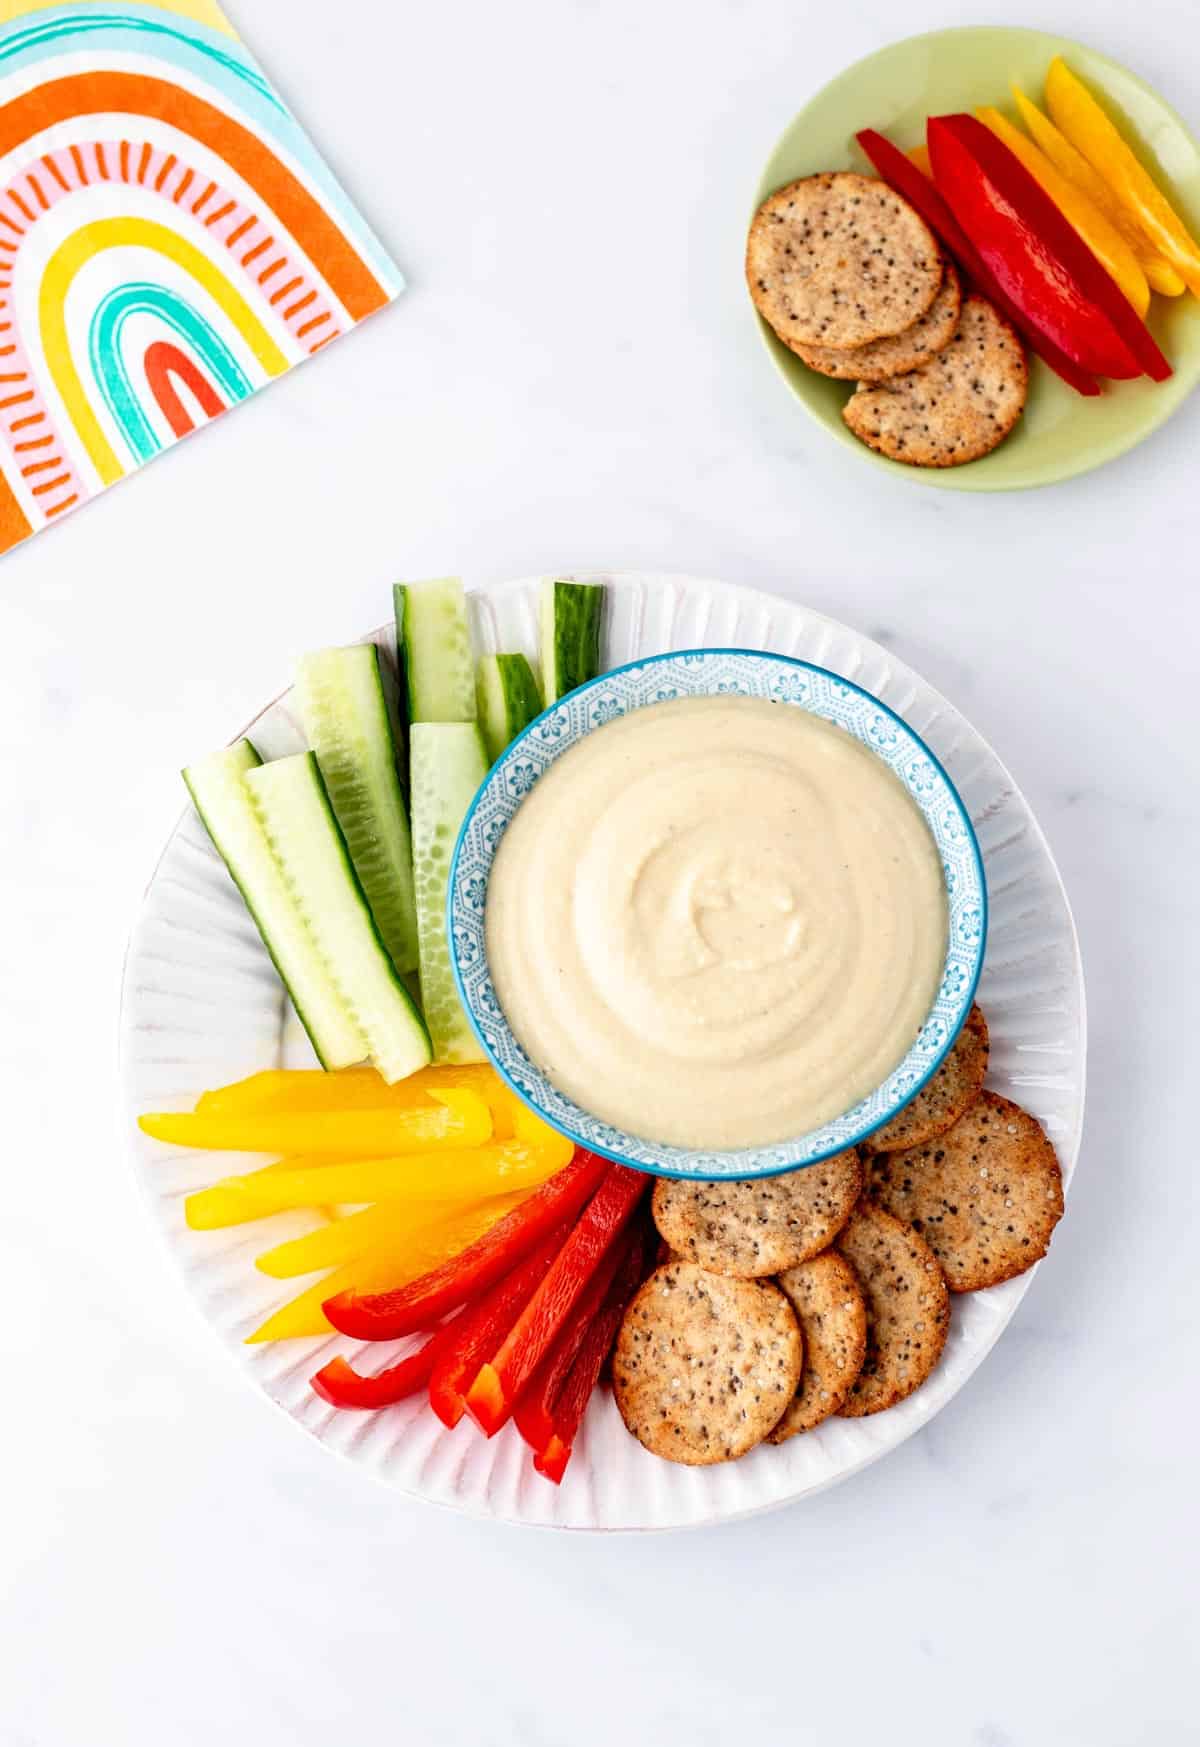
(1061, 434)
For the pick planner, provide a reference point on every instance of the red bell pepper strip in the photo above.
(551, 1460)
(496, 1387)
(900, 173)
(484, 1324)
(1036, 253)
(385, 1316)
(341, 1385)
(533, 1411)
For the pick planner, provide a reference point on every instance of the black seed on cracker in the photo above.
(751, 1229)
(985, 1195)
(832, 1313)
(812, 272)
(943, 1098)
(977, 384)
(898, 353)
(908, 1308)
(704, 1365)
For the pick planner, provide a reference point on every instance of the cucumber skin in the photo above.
(329, 1059)
(396, 879)
(571, 618)
(400, 616)
(353, 886)
(437, 671)
(439, 806)
(508, 700)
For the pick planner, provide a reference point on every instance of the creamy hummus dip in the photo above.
(717, 922)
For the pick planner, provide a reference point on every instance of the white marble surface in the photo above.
(573, 380)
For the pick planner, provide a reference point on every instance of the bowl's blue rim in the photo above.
(654, 661)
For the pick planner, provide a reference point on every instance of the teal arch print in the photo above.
(48, 32)
(108, 363)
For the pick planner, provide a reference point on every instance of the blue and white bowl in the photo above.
(706, 673)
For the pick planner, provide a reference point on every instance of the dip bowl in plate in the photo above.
(789, 684)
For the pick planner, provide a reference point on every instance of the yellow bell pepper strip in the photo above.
(1102, 238)
(462, 1119)
(331, 1245)
(469, 1176)
(920, 157)
(529, 1127)
(296, 1089)
(341, 1240)
(303, 1315)
(413, 1254)
(385, 1316)
(1159, 272)
(330, 1212)
(305, 1089)
(1088, 128)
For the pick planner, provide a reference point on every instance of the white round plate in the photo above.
(201, 1006)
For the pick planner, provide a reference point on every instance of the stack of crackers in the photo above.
(851, 279)
(784, 1300)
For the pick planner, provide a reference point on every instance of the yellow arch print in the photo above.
(91, 240)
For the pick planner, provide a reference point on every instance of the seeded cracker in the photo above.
(759, 1227)
(840, 260)
(908, 1308)
(985, 1196)
(704, 1365)
(959, 406)
(942, 1099)
(832, 1314)
(899, 352)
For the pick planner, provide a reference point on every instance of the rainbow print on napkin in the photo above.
(170, 241)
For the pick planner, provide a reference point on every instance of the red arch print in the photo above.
(162, 362)
(105, 93)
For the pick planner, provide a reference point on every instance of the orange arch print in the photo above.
(103, 93)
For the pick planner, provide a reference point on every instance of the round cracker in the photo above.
(943, 1098)
(955, 408)
(832, 1313)
(705, 1365)
(908, 1308)
(986, 1195)
(751, 1229)
(898, 353)
(840, 260)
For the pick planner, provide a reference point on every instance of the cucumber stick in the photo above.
(433, 642)
(344, 711)
(447, 763)
(218, 788)
(571, 617)
(508, 699)
(296, 816)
